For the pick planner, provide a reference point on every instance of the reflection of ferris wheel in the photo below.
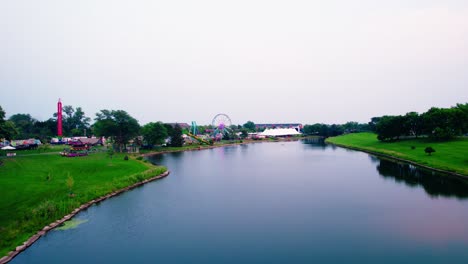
(220, 123)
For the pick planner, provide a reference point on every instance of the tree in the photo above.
(154, 133)
(118, 125)
(244, 133)
(429, 150)
(335, 130)
(390, 128)
(7, 128)
(176, 137)
(25, 125)
(250, 126)
(312, 129)
(170, 129)
(463, 108)
(351, 127)
(45, 130)
(443, 124)
(373, 123)
(412, 124)
(74, 121)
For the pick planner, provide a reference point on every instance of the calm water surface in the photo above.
(288, 202)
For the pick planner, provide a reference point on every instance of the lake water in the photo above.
(291, 202)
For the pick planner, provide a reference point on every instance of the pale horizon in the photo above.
(265, 61)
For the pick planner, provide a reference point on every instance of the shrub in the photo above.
(139, 158)
(413, 147)
(429, 150)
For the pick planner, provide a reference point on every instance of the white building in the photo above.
(279, 132)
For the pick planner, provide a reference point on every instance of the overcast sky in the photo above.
(305, 61)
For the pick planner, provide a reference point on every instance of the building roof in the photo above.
(182, 125)
(90, 141)
(279, 125)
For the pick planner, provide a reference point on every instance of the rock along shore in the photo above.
(53, 225)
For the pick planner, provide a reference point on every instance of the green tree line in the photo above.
(436, 123)
(117, 125)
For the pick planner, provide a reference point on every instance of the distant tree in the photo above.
(7, 128)
(118, 125)
(230, 135)
(335, 130)
(154, 133)
(429, 150)
(463, 108)
(244, 133)
(351, 127)
(324, 130)
(170, 129)
(74, 121)
(412, 124)
(312, 129)
(443, 124)
(390, 128)
(2, 115)
(25, 125)
(45, 130)
(373, 123)
(250, 126)
(176, 137)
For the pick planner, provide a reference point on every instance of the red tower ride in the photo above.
(59, 118)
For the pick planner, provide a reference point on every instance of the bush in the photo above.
(139, 158)
(126, 157)
(413, 147)
(429, 150)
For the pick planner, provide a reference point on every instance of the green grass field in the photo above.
(34, 190)
(449, 156)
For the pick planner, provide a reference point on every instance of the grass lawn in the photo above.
(450, 155)
(34, 190)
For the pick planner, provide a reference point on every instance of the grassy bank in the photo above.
(35, 189)
(450, 156)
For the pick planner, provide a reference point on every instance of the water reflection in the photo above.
(318, 143)
(435, 184)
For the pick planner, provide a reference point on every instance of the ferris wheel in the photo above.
(220, 123)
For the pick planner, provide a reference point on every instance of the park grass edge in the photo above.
(396, 157)
(141, 179)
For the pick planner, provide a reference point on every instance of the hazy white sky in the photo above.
(305, 61)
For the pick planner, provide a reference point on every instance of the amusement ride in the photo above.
(220, 124)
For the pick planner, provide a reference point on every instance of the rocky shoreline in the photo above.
(59, 222)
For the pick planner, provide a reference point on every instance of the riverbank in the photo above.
(219, 144)
(39, 189)
(449, 158)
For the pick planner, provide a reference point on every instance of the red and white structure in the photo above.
(59, 119)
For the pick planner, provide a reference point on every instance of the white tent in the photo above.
(280, 132)
(8, 148)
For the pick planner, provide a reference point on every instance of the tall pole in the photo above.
(59, 119)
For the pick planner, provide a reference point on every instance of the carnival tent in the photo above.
(280, 132)
(8, 148)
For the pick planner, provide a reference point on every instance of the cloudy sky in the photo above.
(305, 61)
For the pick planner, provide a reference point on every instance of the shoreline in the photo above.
(202, 147)
(51, 226)
(378, 154)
